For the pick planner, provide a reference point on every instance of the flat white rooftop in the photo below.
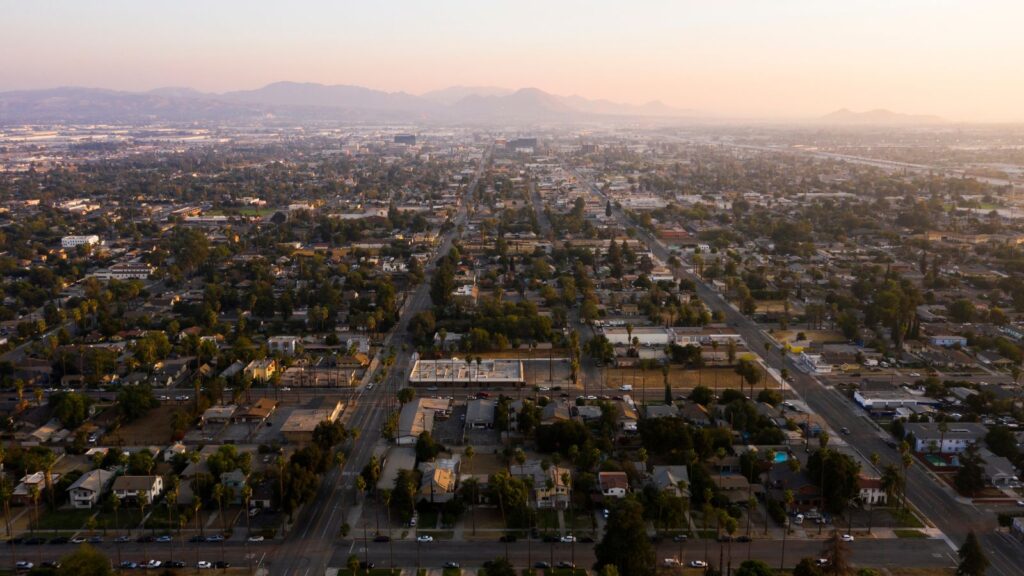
(458, 370)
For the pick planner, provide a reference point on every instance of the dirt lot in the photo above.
(816, 336)
(679, 378)
(154, 428)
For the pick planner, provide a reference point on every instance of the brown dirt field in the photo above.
(154, 428)
(679, 378)
(817, 336)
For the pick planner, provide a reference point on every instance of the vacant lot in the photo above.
(816, 336)
(679, 379)
(154, 428)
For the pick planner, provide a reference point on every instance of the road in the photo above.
(940, 503)
(311, 543)
(920, 553)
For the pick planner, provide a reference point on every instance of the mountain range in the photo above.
(303, 101)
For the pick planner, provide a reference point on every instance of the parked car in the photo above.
(679, 538)
(566, 564)
(568, 539)
(541, 565)
(204, 564)
(425, 538)
(153, 564)
(163, 539)
(24, 565)
(451, 564)
(698, 564)
(847, 537)
(256, 538)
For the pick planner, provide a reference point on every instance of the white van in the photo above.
(626, 387)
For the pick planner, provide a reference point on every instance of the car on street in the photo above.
(174, 564)
(541, 565)
(95, 540)
(129, 565)
(215, 538)
(163, 539)
(670, 562)
(847, 537)
(78, 540)
(844, 430)
(698, 564)
(225, 565)
(204, 564)
(123, 539)
(451, 564)
(743, 539)
(567, 564)
(24, 565)
(550, 539)
(256, 538)
(679, 538)
(152, 564)
(425, 538)
(1020, 503)
(59, 540)
(568, 539)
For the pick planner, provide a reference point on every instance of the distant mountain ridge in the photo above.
(300, 100)
(878, 116)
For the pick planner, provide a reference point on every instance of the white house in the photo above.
(87, 490)
(288, 345)
(73, 241)
(134, 487)
(948, 341)
(613, 484)
(957, 437)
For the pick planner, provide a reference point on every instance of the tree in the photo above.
(135, 401)
(972, 558)
(807, 567)
(406, 395)
(754, 568)
(353, 563)
(835, 474)
(86, 561)
(970, 477)
(499, 567)
(838, 555)
(625, 543)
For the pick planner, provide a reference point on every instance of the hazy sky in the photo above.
(963, 60)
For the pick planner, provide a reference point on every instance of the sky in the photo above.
(783, 59)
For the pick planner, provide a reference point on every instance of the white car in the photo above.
(24, 565)
(1020, 503)
(568, 539)
(626, 387)
(255, 538)
(204, 564)
(847, 537)
(698, 564)
(670, 562)
(425, 538)
(154, 564)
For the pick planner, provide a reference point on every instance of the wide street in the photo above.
(943, 507)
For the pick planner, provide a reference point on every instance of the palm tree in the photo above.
(246, 497)
(5, 496)
(34, 491)
(788, 500)
(218, 495)
(468, 456)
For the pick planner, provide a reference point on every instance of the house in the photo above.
(257, 412)
(870, 490)
(301, 423)
(998, 471)
(287, 345)
(439, 480)
(418, 417)
(261, 370)
(234, 481)
(550, 489)
(695, 414)
(673, 479)
(948, 341)
(480, 413)
(135, 487)
(613, 484)
(661, 411)
(87, 490)
(22, 493)
(928, 437)
(218, 415)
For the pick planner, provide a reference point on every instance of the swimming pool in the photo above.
(781, 457)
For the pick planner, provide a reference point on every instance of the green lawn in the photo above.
(73, 519)
(906, 519)
(904, 533)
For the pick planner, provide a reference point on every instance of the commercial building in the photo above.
(418, 416)
(301, 423)
(73, 241)
(457, 371)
